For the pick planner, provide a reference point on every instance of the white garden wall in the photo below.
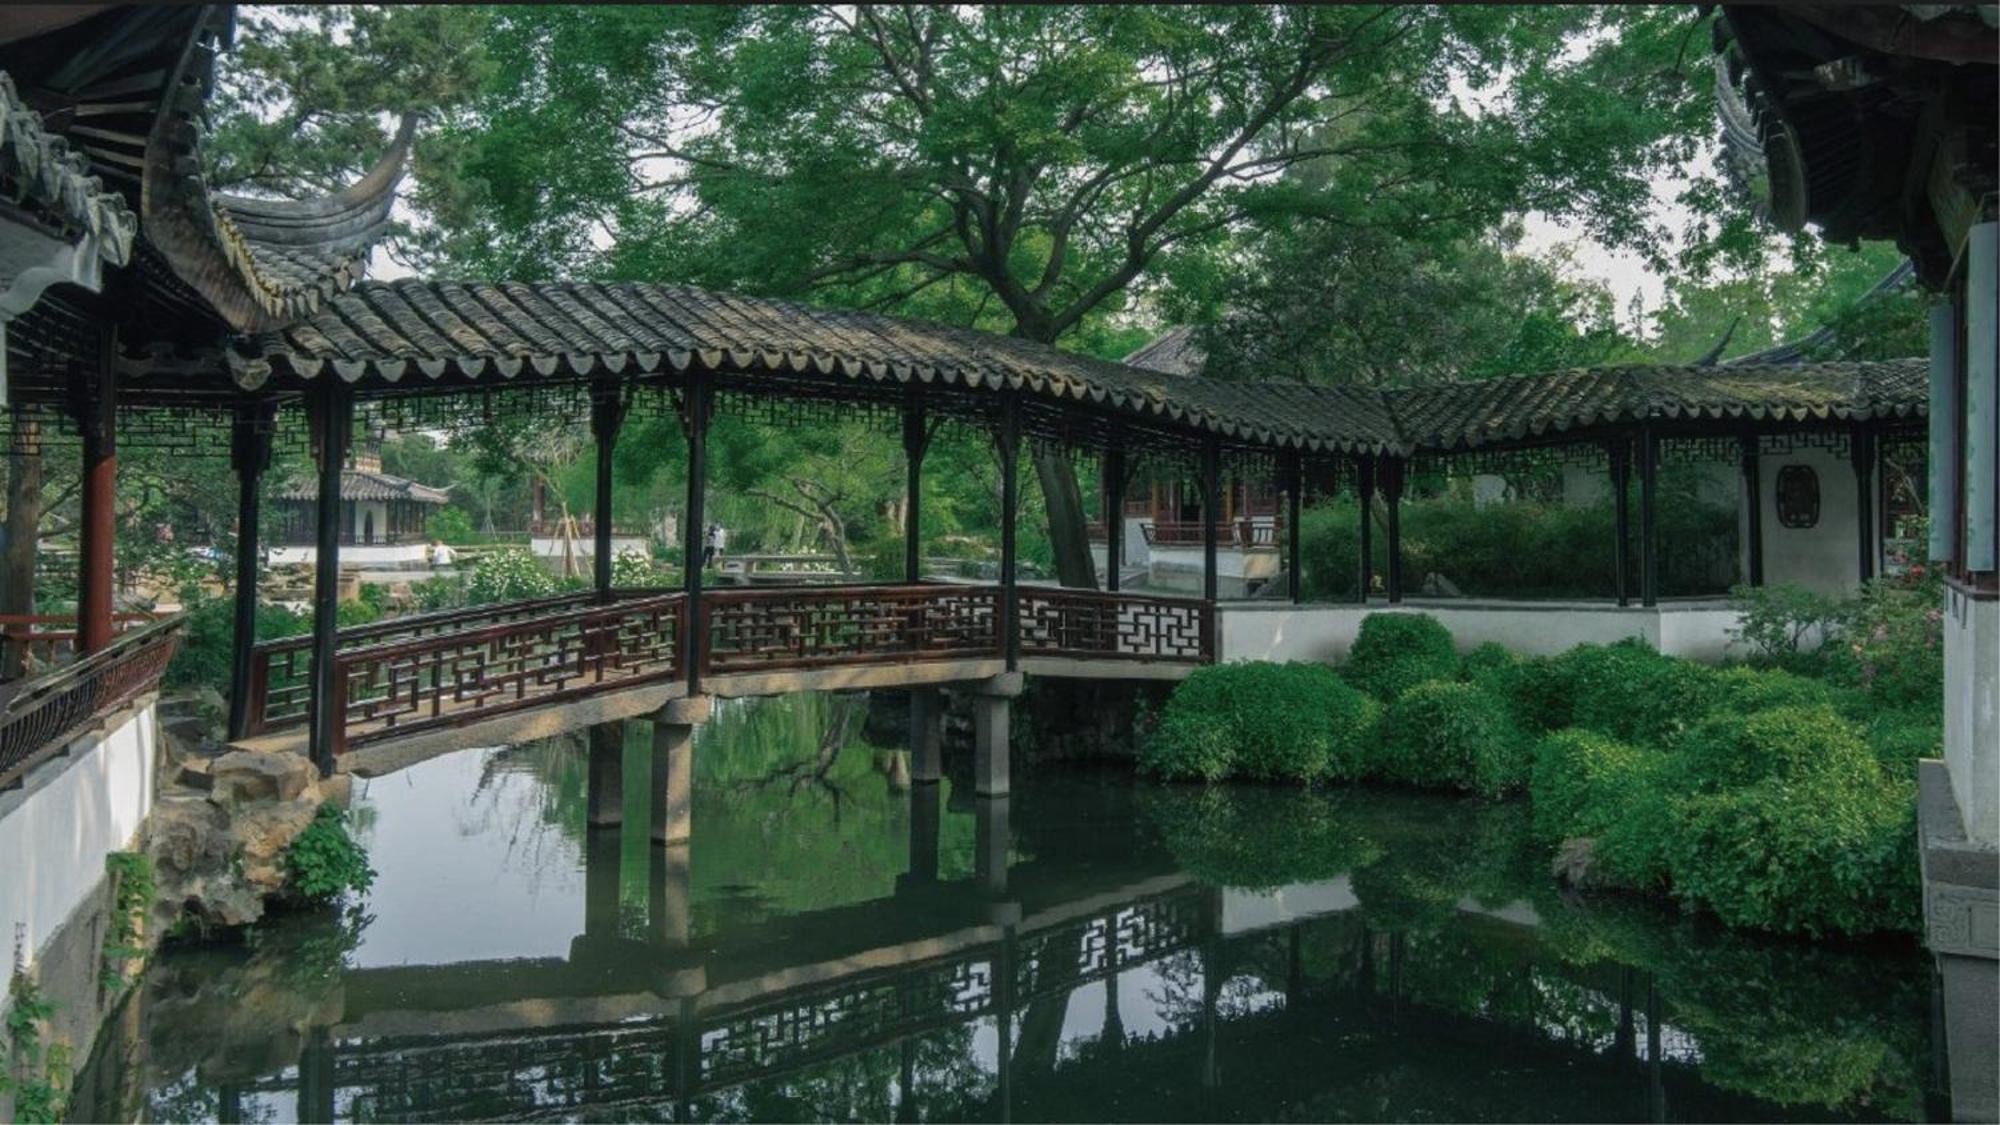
(69, 813)
(1324, 633)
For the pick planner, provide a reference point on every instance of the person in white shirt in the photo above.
(717, 540)
(441, 555)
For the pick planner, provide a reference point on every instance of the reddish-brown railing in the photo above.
(1235, 535)
(1167, 533)
(1091, 625)
(38, 717)
(776, 629)
(281, 670)
(454, 678)
(40, 641)
(1250, 533)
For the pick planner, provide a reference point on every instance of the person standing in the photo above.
(717, 540)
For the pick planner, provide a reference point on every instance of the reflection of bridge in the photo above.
(439, 672)
(628, 1026)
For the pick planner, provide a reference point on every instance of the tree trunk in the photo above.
(1068, 538)
(24, 518)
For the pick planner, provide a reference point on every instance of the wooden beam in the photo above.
(97, 417)
(249, 455)
(1620, 451)
(333, 424)
(1211, 502)
(1295, 486)
(1114, 510)
(1364, 488)
(695, 403)
(1649, 521)
(1392, 495)
(916, 441)
(607, 417)
(1753, 511)
(1008, 445)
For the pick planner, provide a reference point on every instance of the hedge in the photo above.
(1448, 735)
(1263, 722)
(1397, 651)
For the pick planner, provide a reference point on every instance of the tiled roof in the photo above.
(41, 172)
(411, 333)
(365, 484)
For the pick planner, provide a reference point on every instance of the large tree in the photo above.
(1027, 169)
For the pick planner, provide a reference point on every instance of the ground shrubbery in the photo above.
(1266, 722)
(1398, 651)
(1776, 800)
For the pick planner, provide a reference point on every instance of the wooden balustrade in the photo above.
(775, 630)
(449, 669)
(453, 678)
(38, 642)
(281, 670)
(1092, 625)
(1242, 534)
(39, 716)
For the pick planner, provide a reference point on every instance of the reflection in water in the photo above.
(833, 944)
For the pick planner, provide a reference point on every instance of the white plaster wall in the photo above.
(57, 827)
(1229, 563)
(365, 508)
(1824, 557)
(1325, 633)
(550, 547)
(1136, 551)
(1488, 489)
(1586, 485)
(1972, 711)
(378, 555)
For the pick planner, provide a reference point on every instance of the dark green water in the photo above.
(830, 946)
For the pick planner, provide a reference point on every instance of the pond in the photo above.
(832, 945)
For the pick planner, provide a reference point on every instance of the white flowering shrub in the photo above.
(509, 575)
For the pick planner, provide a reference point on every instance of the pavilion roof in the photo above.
(40, 171)
(367, 484)
(415, 335)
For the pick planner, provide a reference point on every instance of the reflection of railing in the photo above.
(761, 630)
(41, 715)
(40, 641)
(1087, 624)
(449, 679)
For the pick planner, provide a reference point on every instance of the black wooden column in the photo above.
(1649, 516)
(1753, 512)
(249, 455)
(1114, 511)
(695, 403)
(333, 425)
(1008, 443)
(916, 440)
(1211, 512)
(607, 416)
(1392, 496)
(97, 418)
(1861, 446)
(1364, 490)
(1295, 486)
(1620, 452)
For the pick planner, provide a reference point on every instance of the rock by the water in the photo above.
(220, 855)
(243, 776)
(1575, 863)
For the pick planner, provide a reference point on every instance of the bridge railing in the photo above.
(38, 642)
(39, 716)
(448, 679)
(782, 629)
(281, 670)
(1094, 625)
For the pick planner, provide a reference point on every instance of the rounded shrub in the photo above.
(1744, 689)
(1826, 853)
(1588, 784)
(1730, 749)
(1629, 691)
(1265, 722)
(1397, 651)
(1900, 737)
(1449, 735)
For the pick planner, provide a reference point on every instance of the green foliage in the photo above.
(444, 591)
(1731, 749)
(204, 656)
(1742, 689)
(133, 888)
(1266, 722)
(1448, 735)
(1629, 691)
(632, 569)
(506, 575)
(1899, 738)
(37, 1077)
(450, 525)
(1397, 651)
(1824, 852)
(1891, 645)
(324, 862)
(1587, 784)
(1783, 623)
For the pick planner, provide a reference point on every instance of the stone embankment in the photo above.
(219, 832)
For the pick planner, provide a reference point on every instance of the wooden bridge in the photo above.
(438, 671)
